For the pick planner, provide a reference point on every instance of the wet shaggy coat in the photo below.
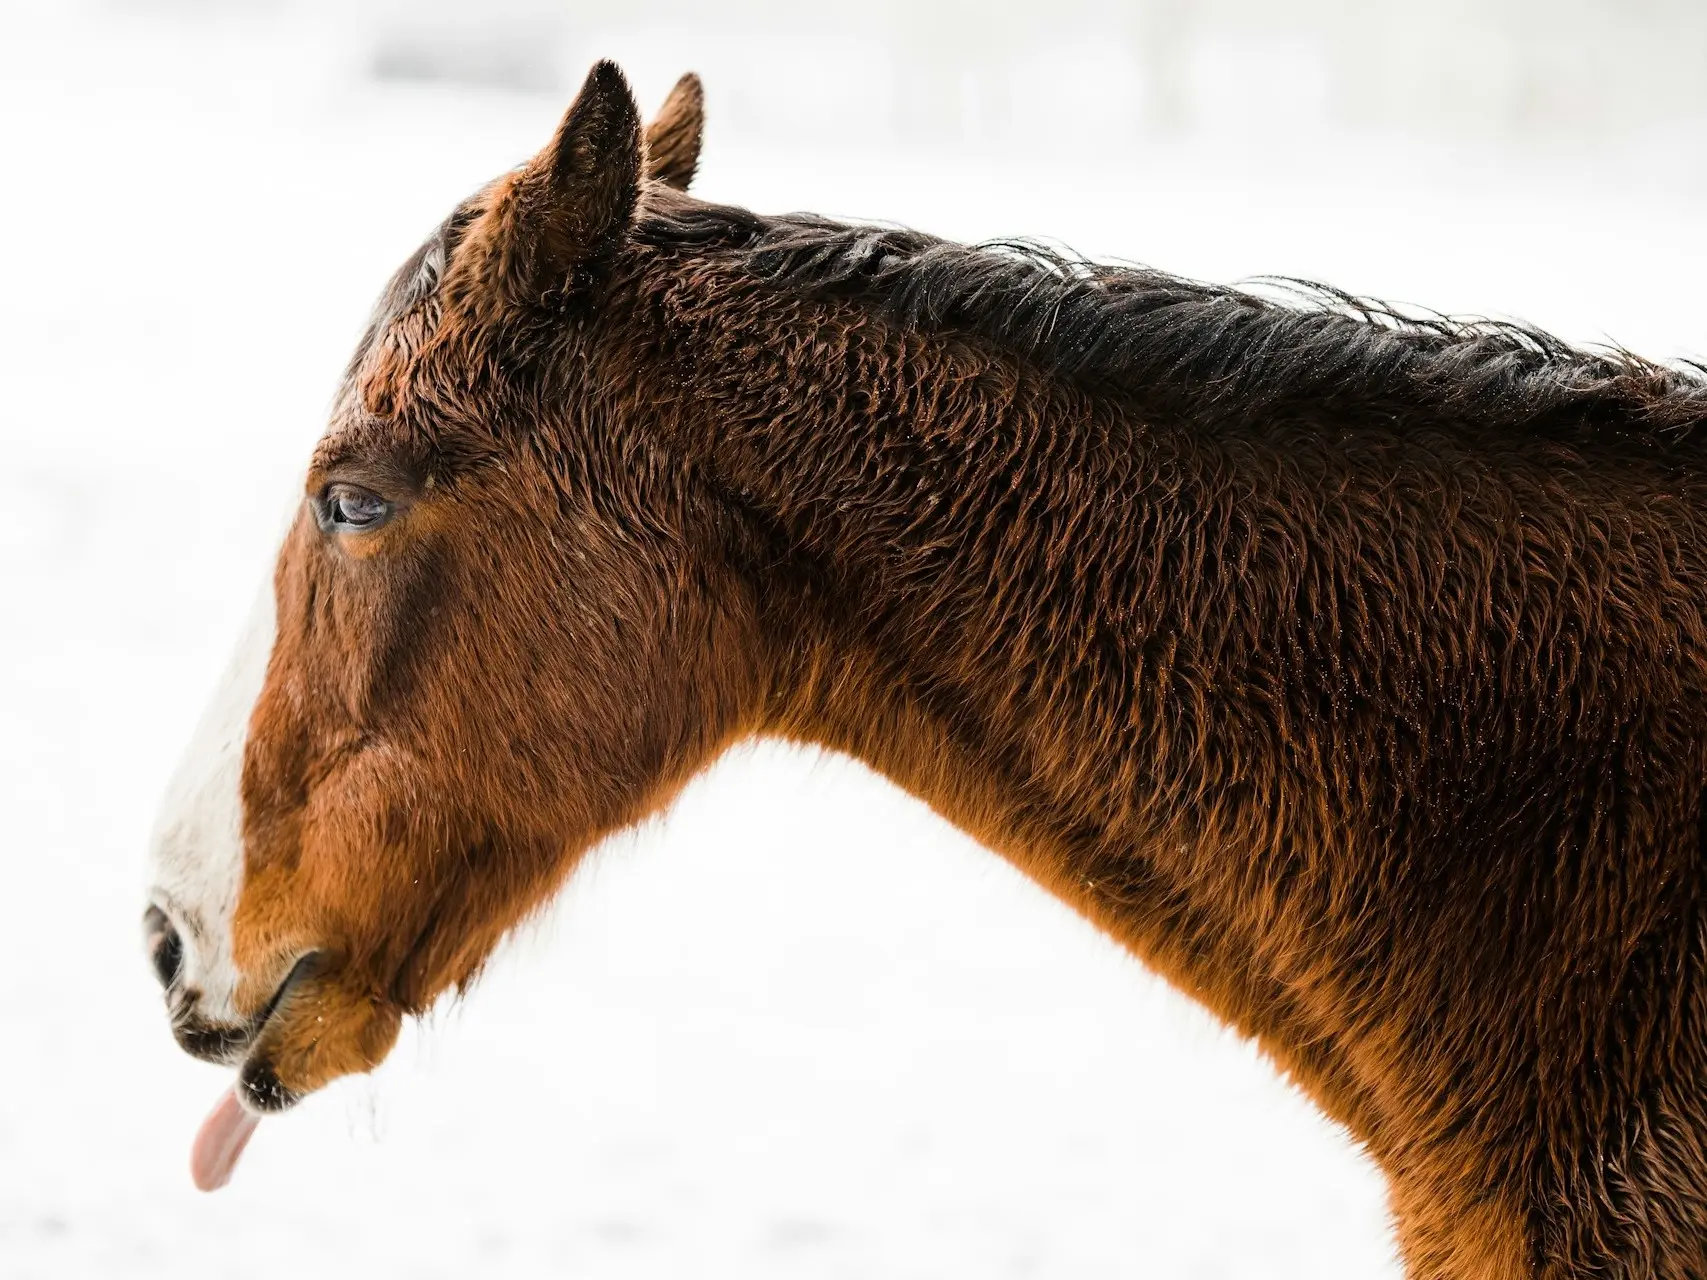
(1350, 670)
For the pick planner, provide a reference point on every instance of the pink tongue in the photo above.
(220, 1141)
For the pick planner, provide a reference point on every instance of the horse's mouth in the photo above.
(258, 1090)
(228, 1044)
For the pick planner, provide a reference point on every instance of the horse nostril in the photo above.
(165, 948)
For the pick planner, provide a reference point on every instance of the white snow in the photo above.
(799, 1027)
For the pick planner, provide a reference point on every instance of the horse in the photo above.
(1346, 664)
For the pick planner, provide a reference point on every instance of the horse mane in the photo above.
(1214, 352)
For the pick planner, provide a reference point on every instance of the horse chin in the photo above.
(260, 1089)
(258, 1084)
(315, 1032)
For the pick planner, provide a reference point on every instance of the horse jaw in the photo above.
(197, 849)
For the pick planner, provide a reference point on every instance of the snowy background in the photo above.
(799, 1027)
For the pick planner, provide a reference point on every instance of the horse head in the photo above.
(490, 640)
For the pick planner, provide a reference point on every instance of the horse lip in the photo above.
(304, 967)
(213, 1042)
(210, 1042)
(259, 1088)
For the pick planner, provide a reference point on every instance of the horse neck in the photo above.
(1012, 599)
(960, 559)
(1054, 620)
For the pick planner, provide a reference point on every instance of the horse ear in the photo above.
(673, 137)
(574, 202)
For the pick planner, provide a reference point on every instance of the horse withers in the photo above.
(1350, 669)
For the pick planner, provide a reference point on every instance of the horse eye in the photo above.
(349, 508)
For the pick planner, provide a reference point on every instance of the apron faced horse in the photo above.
(1349, 669)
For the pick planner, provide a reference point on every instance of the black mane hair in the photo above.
(1213, 351)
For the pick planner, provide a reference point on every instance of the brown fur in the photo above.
(1350, 671)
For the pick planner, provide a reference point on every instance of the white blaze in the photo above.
(198, 840)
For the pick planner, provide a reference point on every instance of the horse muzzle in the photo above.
(212, 1039)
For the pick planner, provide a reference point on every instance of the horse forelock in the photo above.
(404, 318)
